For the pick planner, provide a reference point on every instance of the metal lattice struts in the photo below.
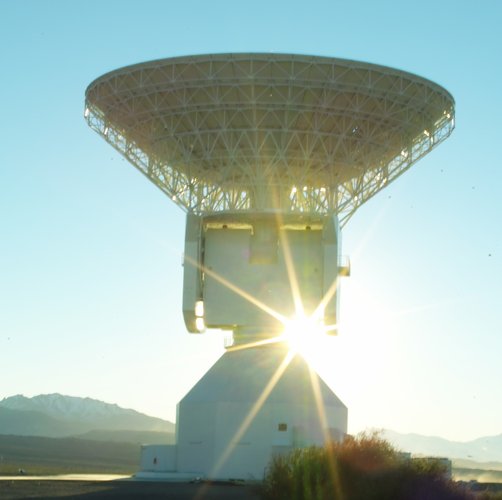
(239, 132)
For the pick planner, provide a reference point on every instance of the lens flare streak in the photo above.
(333, 469)
(299, 332)
(253, 300)
(253, 412)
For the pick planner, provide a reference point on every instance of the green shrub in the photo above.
(365, 467)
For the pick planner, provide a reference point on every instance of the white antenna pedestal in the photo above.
(252, 403)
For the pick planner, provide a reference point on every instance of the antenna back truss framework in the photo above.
(240, 132)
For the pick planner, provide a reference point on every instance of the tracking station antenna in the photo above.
(269, 155)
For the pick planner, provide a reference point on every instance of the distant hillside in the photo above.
(485, 449)
(66, 455)
(57, 416)
(54, 415)
(34, 423)
(137, 437)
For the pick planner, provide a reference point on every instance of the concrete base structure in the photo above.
(253, 403)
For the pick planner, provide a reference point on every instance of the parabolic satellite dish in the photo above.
(259, 131)
(268, 154)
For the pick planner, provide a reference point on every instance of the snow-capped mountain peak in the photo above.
(59, 406)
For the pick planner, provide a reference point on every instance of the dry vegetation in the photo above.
(365, 467)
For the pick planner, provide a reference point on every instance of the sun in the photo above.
(306, 335)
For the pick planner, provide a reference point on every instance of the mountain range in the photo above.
(484, 449)
(55, 415)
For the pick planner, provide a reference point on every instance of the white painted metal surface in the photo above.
(222, 132)
(158, 458)
(250, 404)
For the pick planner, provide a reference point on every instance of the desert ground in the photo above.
(122, 489)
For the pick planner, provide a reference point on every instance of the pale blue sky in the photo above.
(90, 251)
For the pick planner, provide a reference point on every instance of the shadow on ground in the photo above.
(125, 490)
